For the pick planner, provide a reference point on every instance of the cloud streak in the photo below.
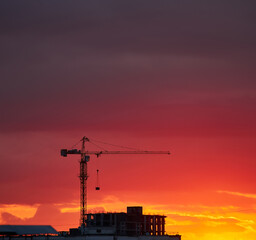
(246, 195)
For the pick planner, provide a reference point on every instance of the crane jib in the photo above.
(65, 152)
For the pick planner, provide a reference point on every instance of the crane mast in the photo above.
(83, 183)
(83, 176)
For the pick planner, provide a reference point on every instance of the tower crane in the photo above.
(85, 157)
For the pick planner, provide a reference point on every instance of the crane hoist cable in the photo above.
(114, 145)
(97, 181)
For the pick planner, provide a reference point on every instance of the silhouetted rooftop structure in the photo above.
(132, 223)
(27, 230)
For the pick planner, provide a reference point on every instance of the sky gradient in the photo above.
(154, 75)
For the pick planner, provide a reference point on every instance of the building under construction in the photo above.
(131, 223)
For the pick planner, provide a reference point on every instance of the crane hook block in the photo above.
(86, 158)
(63, 152)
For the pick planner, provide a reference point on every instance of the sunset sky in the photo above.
(175, 75)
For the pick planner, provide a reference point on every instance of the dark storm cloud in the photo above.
(145, 26)
(111, 58)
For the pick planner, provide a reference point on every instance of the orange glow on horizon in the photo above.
(190, 221)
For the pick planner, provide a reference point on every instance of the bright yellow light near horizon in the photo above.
(191, 223)
(228, 236)
(70, 209)
(20, 211)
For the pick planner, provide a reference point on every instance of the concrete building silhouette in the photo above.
(131, 223)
